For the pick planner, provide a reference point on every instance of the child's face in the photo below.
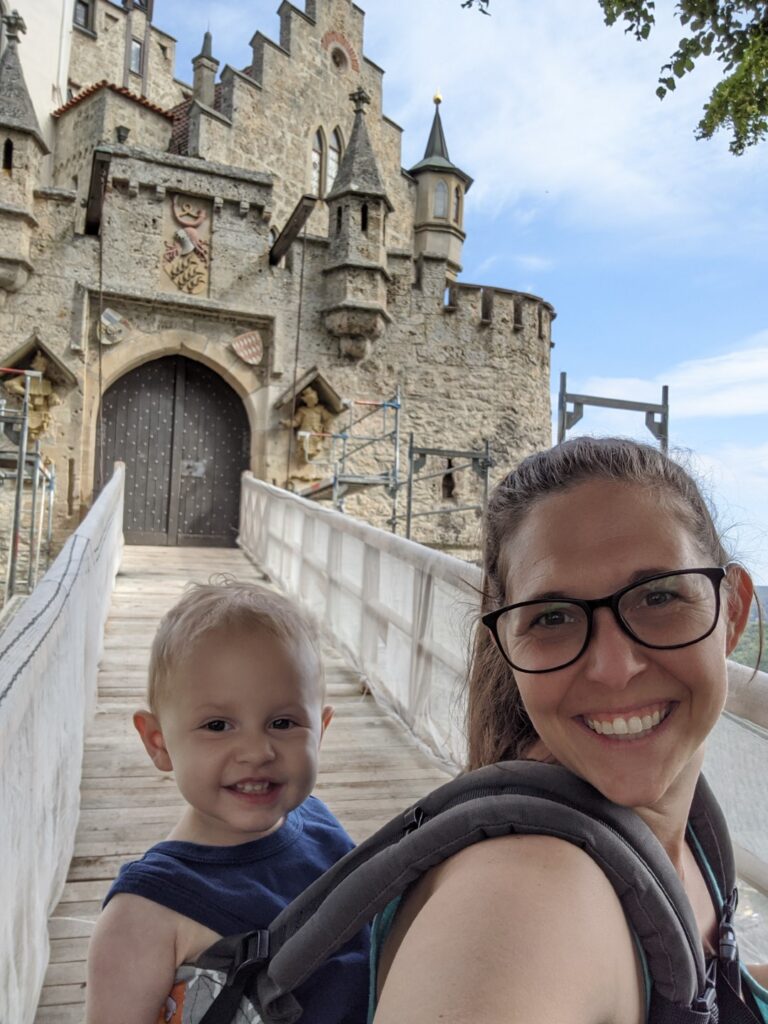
(240, 724)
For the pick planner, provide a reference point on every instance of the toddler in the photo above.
(236, 710)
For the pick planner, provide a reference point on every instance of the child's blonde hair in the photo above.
(226, 603)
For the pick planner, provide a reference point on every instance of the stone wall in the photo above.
(178, 262)
(100, 53)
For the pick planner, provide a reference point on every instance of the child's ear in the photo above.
(325, 719)
(738, 600)
(148, 727)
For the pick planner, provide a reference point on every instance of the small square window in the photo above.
(137, 56)
(83, 13)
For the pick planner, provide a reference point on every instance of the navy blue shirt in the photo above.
(234, 889)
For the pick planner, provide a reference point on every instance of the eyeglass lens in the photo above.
(669, 611)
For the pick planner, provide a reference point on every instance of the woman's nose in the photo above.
(613, 658)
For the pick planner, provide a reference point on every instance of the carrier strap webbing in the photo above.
(518, 797)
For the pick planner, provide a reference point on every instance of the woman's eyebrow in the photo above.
(567, 595)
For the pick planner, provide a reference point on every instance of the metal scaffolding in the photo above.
(656, 415)
(348, 472)
(457, 461)
(20, 464)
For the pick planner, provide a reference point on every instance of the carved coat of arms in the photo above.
(186, 260)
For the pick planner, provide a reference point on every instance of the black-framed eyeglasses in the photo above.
(664, 611)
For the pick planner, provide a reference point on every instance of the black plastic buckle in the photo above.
(706, 1001)
(728, 947)
(413, 819)
(251, 951)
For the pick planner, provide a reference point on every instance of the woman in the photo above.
(622, 690)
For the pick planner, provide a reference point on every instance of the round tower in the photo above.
(439, 216)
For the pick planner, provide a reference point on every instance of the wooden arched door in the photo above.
(183, 435)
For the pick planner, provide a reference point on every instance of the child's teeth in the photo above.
(251, 787)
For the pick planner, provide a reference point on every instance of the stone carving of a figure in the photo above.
(311, 420)
(42, 397)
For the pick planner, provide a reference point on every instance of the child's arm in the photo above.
(131, 962)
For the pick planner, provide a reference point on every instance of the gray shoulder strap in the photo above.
(516, 797)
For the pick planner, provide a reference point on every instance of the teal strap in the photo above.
(382, 925)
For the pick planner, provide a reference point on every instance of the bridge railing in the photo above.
(404, 614)
(49, 652)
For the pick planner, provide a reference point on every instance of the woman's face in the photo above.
(587, 542)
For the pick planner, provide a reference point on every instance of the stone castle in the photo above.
(220, 275)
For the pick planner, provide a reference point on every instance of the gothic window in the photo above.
(457, 205)
(137, 56)
(440, 208)
(334, 157)
(317, 164)
(8, 157)
(83, 13)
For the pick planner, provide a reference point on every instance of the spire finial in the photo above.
(437, 99)
(14, 24)
(360, 97)
(207, 50)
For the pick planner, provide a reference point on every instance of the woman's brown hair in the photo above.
(498, 725)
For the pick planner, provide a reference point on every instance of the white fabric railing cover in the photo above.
(49, 652)
(404, 614)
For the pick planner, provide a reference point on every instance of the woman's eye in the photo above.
(657, 598)
(551, 618)
(216, 725)
(282, 724)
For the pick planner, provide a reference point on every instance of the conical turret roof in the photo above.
(358, 171)
(436, 156)
(16, 109)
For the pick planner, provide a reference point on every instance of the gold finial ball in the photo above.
(438, 98)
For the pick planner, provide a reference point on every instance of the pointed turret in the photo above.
(356, 275)
(358, 173)
(204, 67)
(16, 109)
(438, 224)
(21, 149)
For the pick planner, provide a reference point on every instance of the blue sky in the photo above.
(592, 193)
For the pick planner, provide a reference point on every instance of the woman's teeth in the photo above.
(629, 726)
(251, 787)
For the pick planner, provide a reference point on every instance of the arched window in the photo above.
(364, 218)
(440, 208)
(8, 156)
(317, 164)
(334, 158)
(457, 205)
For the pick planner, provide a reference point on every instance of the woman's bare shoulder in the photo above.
(503, 913)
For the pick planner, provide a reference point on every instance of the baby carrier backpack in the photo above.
(515, 797)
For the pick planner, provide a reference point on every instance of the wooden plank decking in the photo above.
(370, 768)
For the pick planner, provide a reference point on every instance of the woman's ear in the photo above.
(148, 727)
(738, 600)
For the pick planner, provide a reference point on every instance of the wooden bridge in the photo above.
(73, 669)
(370, 767)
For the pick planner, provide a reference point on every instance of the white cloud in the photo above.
(533, 263)
(734, 383)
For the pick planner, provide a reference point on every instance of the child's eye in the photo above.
(216, 725)
(282, 723)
